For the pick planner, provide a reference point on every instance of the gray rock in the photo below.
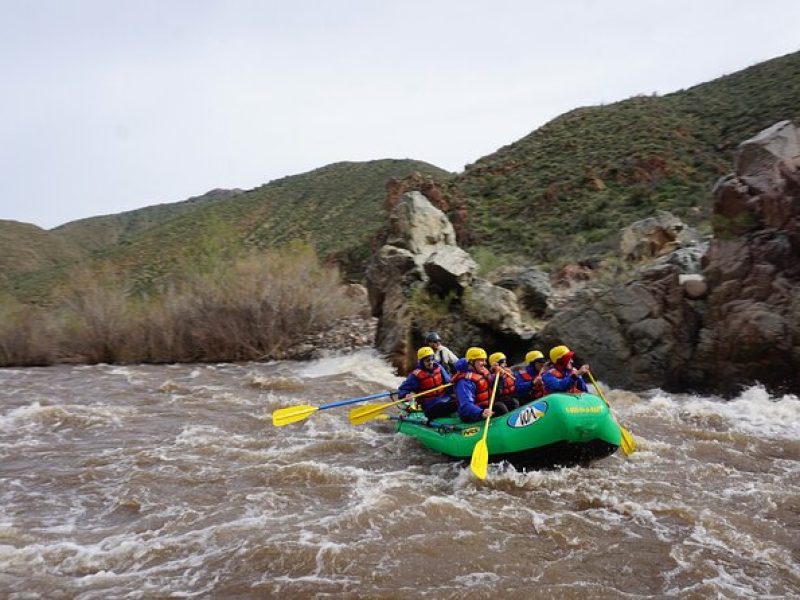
(654, 236)
(421, 256)
(450, 268)
(687, 259)
(636, 335)
(419, 227)
(496, 308)
(694, 286)
(531, 286)
(762, 153)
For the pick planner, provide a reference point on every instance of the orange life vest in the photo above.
(573, 389)
(482, 387)
(509, 386)
(428, 381)
(537, 389)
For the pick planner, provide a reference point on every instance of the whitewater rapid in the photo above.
(154, 481)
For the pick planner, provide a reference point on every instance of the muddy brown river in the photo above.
(171, 482)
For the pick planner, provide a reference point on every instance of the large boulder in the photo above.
(420, 253)
(421, 256)
(751, 329)
(637, 335)
(495, 308)
(530, 285)
(449, 268)
(419, 227)
(655, 236)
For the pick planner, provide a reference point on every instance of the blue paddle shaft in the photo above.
(354, 400)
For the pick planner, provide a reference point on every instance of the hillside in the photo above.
(337, 208)
(564, 191)
(25, 247)
(559, 194)
(97, 233)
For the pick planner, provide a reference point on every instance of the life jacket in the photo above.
(483, 390)
(573, 389)
(537, 389)
(427, 381)
(507, 384)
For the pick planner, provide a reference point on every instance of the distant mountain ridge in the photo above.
(95, 233)
(559, 194)
(336, 208)
(26, 247)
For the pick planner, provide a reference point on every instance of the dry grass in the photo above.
(247, 310)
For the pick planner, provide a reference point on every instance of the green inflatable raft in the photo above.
(557, 430)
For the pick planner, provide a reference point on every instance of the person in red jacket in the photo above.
(563, 377)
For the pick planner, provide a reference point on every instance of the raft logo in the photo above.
(529, 415)
(470, 431)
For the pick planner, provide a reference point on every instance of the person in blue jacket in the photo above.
(563, 377)
(429, 375)
(473, 387)
(529, 385)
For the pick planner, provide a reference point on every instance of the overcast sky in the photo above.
(109, 106)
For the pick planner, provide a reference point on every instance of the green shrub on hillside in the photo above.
(584, 175)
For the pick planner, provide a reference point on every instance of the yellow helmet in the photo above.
(558, 352)
(474, 353)
(424, 351)
(533, 355)
(496, 358)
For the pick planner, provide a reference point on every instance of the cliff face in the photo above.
(735, 323)
(751, 328)
(654, 331)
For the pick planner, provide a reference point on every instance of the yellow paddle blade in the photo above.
(628, 444)
(480, 453)
(365, 413)
(292, 414)
(480, 459)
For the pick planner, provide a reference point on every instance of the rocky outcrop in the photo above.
(735, 323)
(637, 335)
(530, 285)
(751, 328)
(698, 315)
(655, 236)
(421, 258)
(495, 308)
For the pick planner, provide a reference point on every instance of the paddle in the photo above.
(480, 454)
(291, 414)
(628, 444)
(362, 414)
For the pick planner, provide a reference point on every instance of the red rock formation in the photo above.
(751, 329)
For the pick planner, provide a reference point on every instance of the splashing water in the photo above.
(170, 481)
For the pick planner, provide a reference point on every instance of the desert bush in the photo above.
(252, 308)
(25, 335)
(242, 309)
(488, 260)
(95, 319)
